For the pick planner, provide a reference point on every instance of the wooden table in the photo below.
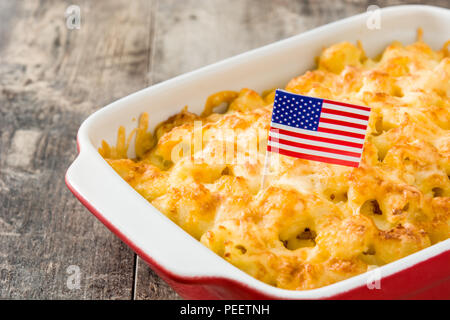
(53, 77)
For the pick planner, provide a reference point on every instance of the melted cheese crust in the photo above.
(313, 223)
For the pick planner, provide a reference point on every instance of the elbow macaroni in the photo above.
(313, 223)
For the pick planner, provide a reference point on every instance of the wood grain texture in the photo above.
(52, 78)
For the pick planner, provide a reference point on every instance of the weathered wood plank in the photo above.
(51, 78)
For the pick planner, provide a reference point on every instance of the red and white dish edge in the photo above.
(191, 269)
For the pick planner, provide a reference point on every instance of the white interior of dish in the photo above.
(260, 69)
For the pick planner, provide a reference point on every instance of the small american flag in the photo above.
(317, 129)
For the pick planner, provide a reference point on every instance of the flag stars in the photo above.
(298, 112)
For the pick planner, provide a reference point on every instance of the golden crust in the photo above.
(313, 223)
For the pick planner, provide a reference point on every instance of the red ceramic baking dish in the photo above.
(191, 269)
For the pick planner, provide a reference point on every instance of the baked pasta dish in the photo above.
(311, 223)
